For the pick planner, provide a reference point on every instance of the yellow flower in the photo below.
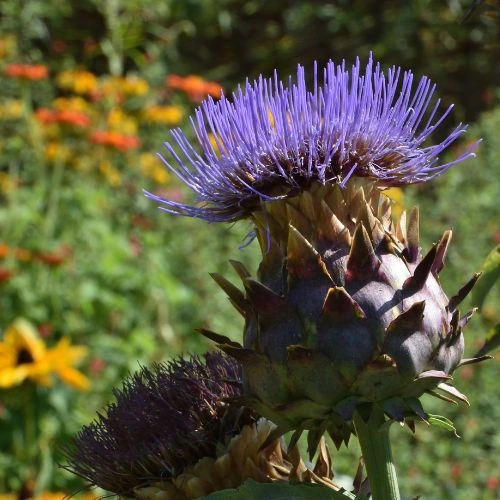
(12, 109)
(112, 174)
(215, 143)
(132, 85)
(119, 87)
(397, 196)
(270, 117)
(7, 184)
(7, 46)
(61, 359)
(74, 103)
(56, 151)
(118, 121)
(151, 167)
(78, 81)
(24, 356)
(169, 115)
(50, 495)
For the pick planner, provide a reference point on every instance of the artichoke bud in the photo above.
(345, 313)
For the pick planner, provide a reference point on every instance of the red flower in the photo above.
(493, 483)
(54, 258)
(456, 470)
(97, 365)
(5, 274)
(58, 46)
(135, 245)
(45, 329)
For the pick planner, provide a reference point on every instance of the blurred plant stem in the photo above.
(53, 192)
(373, 436)
(30, 439)
(112, 45)
(33, 132)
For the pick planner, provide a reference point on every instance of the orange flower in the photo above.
(115, 140)
(68, 116)
(27, 71)
(73, 118)
(4, 250)
(195, 87)
(22, 254)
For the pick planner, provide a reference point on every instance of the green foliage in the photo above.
(490, 276)
(252, 490)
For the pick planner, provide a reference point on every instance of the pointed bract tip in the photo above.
(341, 306)
(463, 292)
(362, 262)
(416, 282)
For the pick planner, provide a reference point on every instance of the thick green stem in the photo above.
(373, 438)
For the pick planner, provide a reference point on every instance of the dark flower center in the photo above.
(24, 357)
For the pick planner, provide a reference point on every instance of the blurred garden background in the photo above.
(96, 281)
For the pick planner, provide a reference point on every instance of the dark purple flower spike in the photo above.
(164, 419)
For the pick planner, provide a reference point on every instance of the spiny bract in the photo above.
(345, 313)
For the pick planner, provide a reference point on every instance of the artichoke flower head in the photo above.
(171, 435)
(345, 312)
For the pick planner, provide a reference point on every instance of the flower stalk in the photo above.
(373, 436)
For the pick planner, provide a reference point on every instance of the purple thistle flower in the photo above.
(164, 419)
(272, 140)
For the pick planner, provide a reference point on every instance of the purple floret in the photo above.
(274, 140)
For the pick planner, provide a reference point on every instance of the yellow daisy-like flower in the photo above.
(168, 115)
(132, 85)
(24, 356)
(119, 121)
(74, 103)
(60, 360)
(7, 182)
(11, 110)
(112, 175)
(151, 166)
(78, 81)
(8, 46)
(55, 150)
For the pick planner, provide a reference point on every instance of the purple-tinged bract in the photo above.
(273, 140)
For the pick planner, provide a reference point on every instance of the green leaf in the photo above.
(251, 490)
(490, 275)
(443, 422)
(492, 341)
